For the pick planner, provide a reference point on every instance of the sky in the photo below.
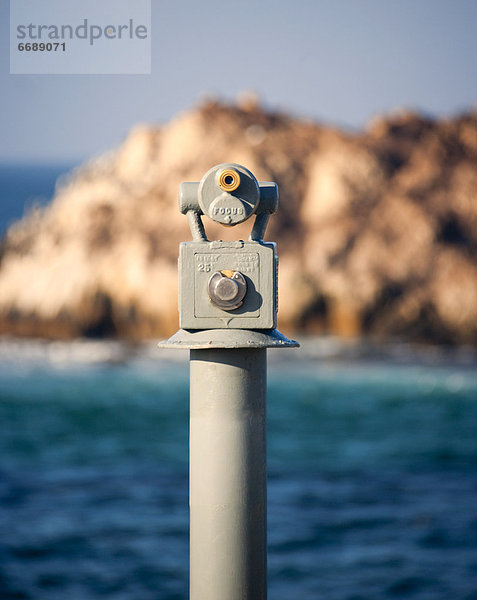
(339, 62)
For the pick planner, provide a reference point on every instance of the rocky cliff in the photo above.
(377, 231)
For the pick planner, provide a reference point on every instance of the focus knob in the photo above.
(227, 289)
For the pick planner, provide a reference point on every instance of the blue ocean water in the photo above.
(372, 472)
(23, 186)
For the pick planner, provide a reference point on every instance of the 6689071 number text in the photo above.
(42, 47)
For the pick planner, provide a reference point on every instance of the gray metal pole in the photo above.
(228, 496)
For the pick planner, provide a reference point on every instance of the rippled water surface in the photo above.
(372, 473)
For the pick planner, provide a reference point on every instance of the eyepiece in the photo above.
(228, 180)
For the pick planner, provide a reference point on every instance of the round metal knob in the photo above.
(227, 289)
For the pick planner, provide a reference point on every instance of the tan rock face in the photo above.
(377, 232)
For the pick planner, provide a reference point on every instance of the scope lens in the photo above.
(228, 180)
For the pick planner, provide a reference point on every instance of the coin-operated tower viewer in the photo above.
(228, 300)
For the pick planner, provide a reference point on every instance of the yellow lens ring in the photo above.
(228, 180)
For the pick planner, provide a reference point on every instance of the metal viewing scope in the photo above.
(228, 194)
(228, 285)
(228, 302)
